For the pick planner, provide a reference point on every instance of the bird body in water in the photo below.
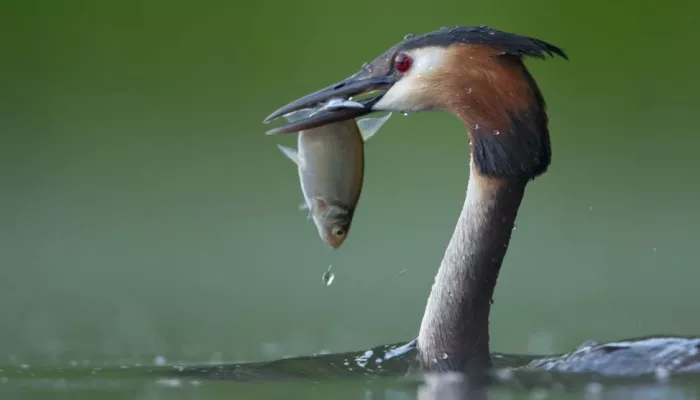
(479, 75)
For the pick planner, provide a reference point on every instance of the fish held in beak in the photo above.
(330, 163)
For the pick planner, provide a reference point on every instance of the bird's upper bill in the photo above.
(416, 74)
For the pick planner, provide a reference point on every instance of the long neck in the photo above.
(454, 333)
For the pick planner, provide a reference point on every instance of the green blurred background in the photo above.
(143, 211)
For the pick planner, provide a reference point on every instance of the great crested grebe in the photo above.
(478, 74)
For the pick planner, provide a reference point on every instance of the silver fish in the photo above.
(331, 164)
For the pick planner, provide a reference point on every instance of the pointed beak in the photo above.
(352, 86)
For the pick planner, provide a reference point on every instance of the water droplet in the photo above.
(328, 276)
(409, 36)
(496, 132)
(662, 374)
(505, 374)
(159, 360)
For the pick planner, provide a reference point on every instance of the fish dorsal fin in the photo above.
(369, 126)
(292, 155)
(299, 115)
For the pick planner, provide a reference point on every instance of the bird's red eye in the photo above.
(402, 62)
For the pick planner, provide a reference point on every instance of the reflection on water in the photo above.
(154, 383)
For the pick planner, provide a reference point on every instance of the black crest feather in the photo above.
(510, 43)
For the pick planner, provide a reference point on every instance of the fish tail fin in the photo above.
(298, 115)
(334, 104)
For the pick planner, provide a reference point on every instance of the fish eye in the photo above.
(402, 62)
(338, 231)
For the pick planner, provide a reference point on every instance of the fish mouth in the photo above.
(333, 242)
(345, 89)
